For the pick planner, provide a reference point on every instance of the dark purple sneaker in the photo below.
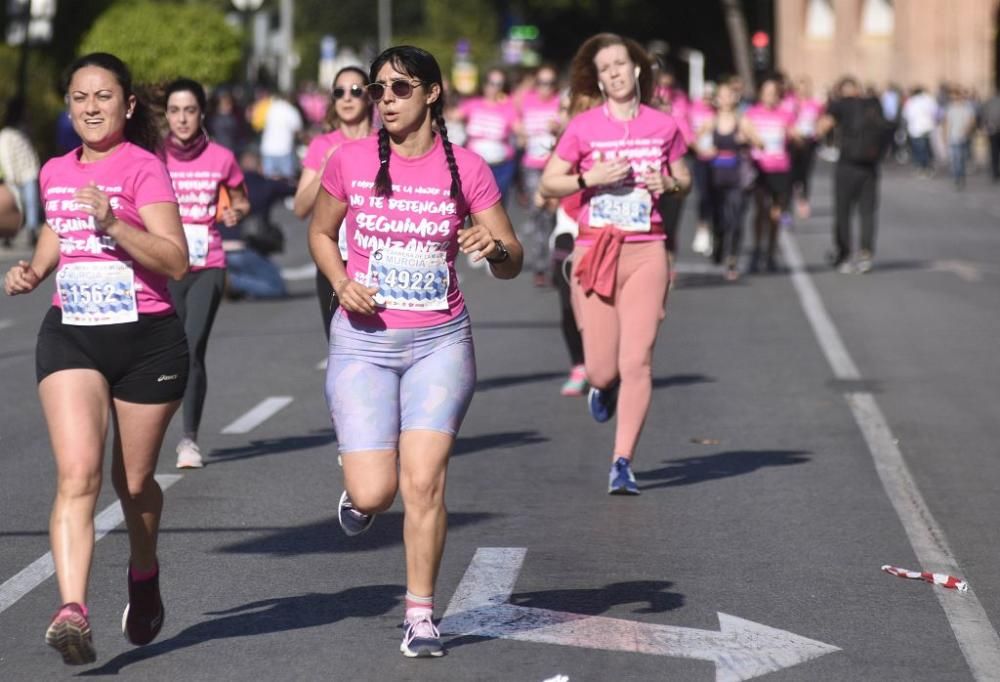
(69, 634)
(143, 615)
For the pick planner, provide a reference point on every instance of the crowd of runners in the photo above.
(402, 182)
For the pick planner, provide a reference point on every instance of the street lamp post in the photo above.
(246, 8)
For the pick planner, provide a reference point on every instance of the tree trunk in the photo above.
(739, 41)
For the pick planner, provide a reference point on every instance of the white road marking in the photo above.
(322, 364)
(41, 568)
(301, 272)
(258, 414)
(6, 324)
(966, 271)
(976, 636)
(740, 650)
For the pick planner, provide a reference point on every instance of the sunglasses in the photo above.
(545, 84)
(356, 91)
(401, 88)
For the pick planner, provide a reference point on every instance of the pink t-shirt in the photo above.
(538, 116)
(132, 178)
(772, 127)
(406, 243)
(196, 184)
(700, 113)
(676, 103)
(651, 140)
(318, 148)
(809, 112)
(488, 127)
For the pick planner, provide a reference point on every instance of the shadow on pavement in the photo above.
(272, 446)
(326, 537)
(466, 445)
(593, 602)
(517, 380)
(267, 616)
(681, 380)
(691, 470)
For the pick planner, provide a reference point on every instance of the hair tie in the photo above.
(383, 162)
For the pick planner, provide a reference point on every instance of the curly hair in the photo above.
(583, 72)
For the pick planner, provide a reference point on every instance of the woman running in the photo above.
(773, 125)
(540, 122)
(807, 114)
(728, 137)
(401, 369)
(491, 120)
(199, 169)
(349, 118)
(110, 349)
(624, 155)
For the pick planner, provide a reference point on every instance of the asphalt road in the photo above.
(767, 494)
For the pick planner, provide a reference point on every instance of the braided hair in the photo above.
(420, 65)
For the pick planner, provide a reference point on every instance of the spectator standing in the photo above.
(277, 142)
(920, 115)
(958, 124)
(19, 166)
(990, 116)
(864, 134)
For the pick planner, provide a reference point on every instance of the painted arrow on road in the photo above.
(741, 649)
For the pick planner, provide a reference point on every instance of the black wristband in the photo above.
(580, 182)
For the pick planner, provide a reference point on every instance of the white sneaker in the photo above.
(702, 241)
(189, 455)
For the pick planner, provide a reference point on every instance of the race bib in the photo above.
(705, 142)
(97, 293)
(626, 208)
(540, 146)
(806, 127)
(492, 151)
(409, 280)
(197, 241)
(774, 141)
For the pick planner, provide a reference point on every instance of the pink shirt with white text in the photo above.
(538, 116)
(651, 140)
(133, 178)
(488, 127)
(197, 184)
(772, 127)
(419, 220)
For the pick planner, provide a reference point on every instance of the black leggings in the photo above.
(803, 159)
(196, 299)
(728, 208)
(571, 335)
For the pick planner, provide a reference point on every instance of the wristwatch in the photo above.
(500, 253)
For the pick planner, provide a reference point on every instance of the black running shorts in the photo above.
(144, 361)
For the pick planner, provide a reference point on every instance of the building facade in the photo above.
(907, 42)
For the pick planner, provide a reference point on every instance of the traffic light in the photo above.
(761, 43)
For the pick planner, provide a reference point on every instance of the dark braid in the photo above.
(383, 183)
(456, 180)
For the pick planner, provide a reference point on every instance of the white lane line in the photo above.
(260, 413)
(976, 636)
(307, 271)
(322, 364)
(41, 568)
(6, 324)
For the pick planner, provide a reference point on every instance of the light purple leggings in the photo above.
(380, 382)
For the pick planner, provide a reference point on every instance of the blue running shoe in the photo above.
(351, 520)
(621, 480)
(602, 403)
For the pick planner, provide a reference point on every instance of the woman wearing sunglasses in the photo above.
(490, 122)
(348, 118)
(199, 170)
(623, 155)
(402, 369)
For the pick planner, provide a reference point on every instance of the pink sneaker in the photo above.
(576, 383)
(69, 634)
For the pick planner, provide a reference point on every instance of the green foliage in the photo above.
(164, 40)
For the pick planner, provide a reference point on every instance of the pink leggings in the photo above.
(619, 335)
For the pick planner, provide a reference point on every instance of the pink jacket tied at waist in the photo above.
(598, 269)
